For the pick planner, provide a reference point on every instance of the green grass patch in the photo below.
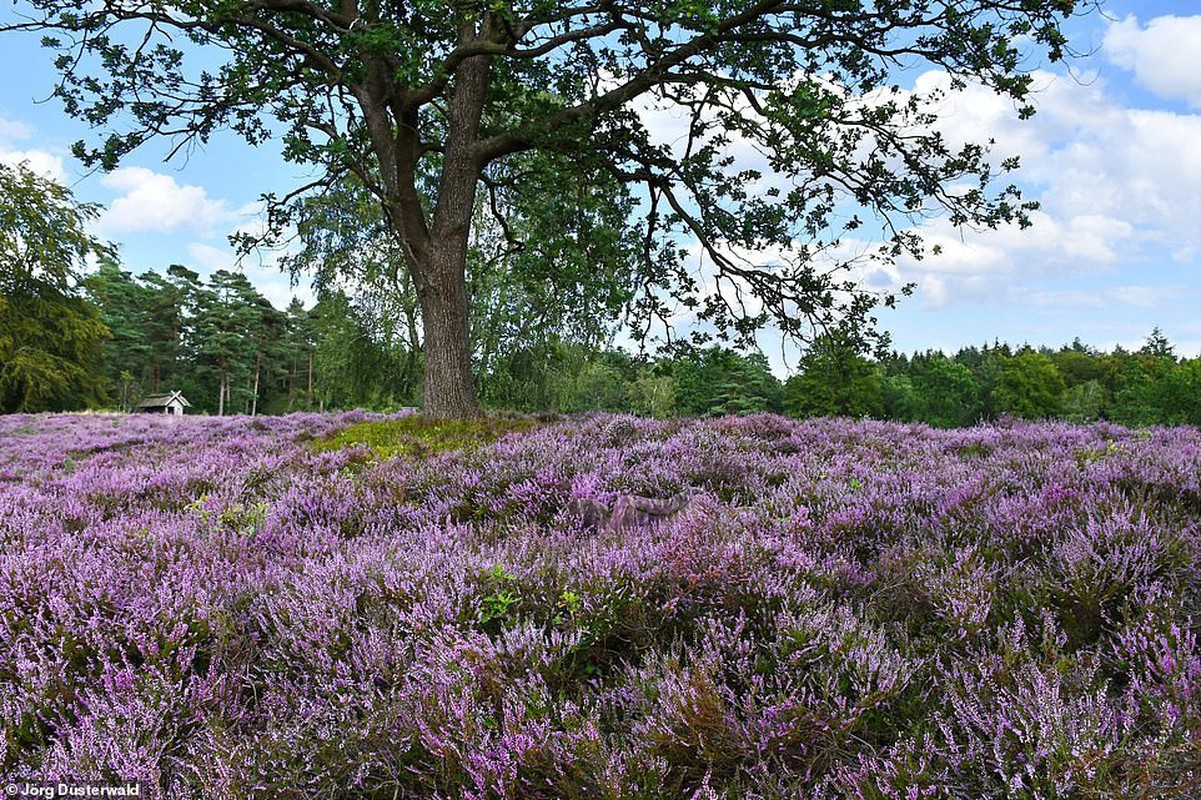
(417, 436)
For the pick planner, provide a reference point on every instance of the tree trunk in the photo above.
(412, 366)
(449, 390)
(442, 283)
(254, 397)
(221, 397)
(435, 247)
(308, 404)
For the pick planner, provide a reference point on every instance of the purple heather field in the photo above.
(220, 608)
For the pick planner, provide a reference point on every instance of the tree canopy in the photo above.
(50, 339)
(426, 103)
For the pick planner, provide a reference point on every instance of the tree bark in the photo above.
(254, 397)
(449, 391)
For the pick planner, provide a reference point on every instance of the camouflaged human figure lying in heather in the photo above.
(629, 510)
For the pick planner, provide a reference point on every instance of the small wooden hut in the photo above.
(172, 403)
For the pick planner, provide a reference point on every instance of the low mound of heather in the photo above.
(272, 608)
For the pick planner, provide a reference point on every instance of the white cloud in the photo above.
(209, 259)
(260, 267)
(1068, 110)
(12, 131)
(43, 162)
(1112, 181)
(275, 286)
(1115, 185)
(1142, 297)
(1165, 55)
(152, 202)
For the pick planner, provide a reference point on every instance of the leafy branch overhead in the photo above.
(423, 103)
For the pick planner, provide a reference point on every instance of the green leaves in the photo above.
(1030, 386)
(43, 237)
(50, 339)
(835, 380)
(503, 596)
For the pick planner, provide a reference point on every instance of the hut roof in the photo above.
(163, 400)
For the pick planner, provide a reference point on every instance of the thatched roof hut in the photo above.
(170, 403)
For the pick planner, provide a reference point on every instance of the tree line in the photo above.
(72, 338)
(1076, 383)
(230, 351)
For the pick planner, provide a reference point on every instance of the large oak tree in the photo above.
(424, 102)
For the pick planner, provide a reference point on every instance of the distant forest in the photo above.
(229, 350)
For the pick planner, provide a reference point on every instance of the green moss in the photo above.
(418, 437)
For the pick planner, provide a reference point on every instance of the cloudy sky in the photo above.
(1113, 155)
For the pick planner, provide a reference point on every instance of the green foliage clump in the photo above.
(948, 391)
(716, 380)
(1030, 386)
(417, 436)
(835, 381)
(50, 338)
(501, 599)
(652, 394)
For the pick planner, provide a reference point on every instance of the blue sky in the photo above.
(1113, 155)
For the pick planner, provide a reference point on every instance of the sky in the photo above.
(1113, 156)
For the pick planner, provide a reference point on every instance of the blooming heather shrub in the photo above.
(1020, 726)
(234, 608)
